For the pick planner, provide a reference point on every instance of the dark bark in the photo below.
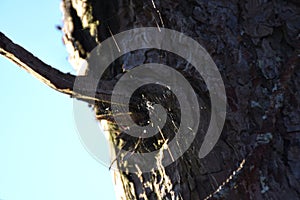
(50, 76)
(255, 45)
(57, 80)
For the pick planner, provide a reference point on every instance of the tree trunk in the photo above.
(256, 47)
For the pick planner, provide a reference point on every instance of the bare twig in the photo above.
(45, 73)
(62, 82)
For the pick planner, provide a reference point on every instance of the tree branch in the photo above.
(61, 82)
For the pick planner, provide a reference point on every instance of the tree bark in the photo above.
(255, 157)
(255, 45)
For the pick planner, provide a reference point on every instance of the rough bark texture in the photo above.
(256, 46)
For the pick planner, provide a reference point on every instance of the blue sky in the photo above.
(41, 155)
